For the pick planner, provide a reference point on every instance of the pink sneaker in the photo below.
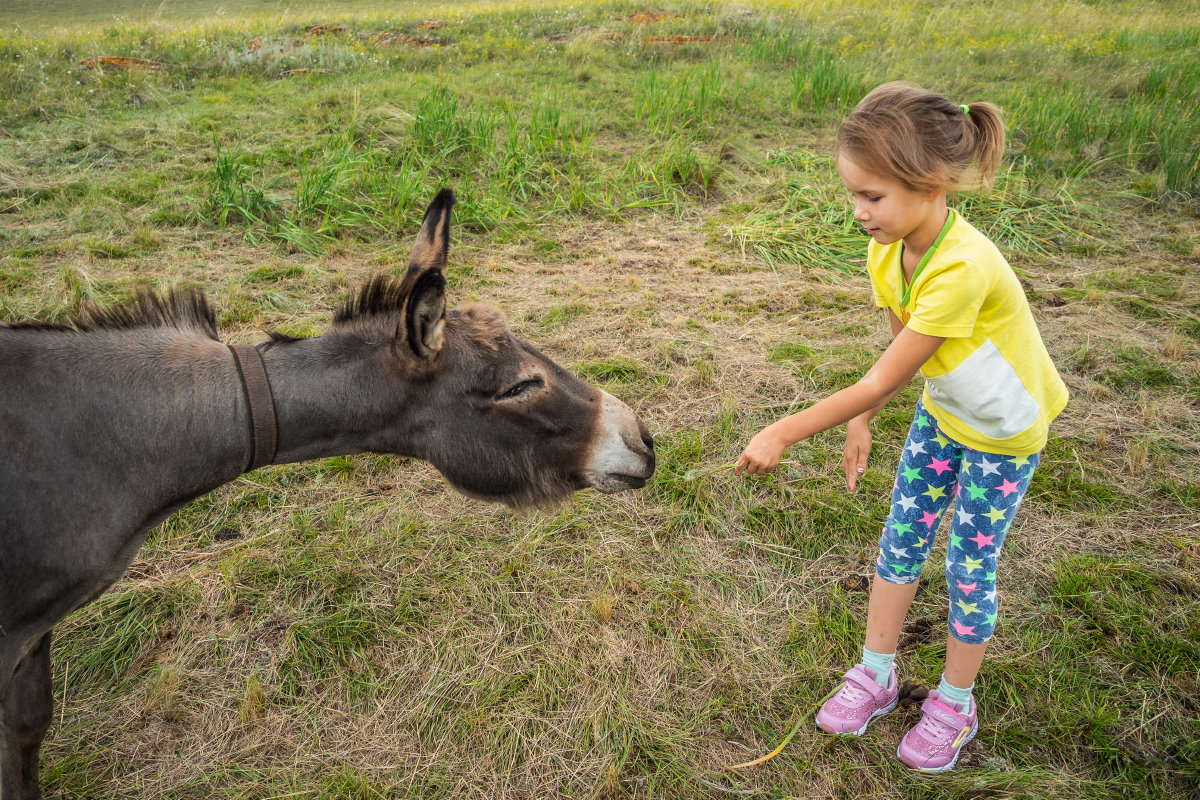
(848, 708)
(934, 743)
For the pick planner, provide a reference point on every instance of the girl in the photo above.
(958, 315)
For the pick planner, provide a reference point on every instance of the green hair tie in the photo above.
(966, 109)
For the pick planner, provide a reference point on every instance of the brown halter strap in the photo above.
(263, 427)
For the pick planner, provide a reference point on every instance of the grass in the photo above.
(664, 220)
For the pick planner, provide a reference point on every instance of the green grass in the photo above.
(666, 221)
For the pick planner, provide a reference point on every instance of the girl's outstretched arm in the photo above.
(890, 373)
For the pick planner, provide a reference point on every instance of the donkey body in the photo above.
(109, 425)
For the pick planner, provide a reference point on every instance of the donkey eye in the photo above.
(520, 388)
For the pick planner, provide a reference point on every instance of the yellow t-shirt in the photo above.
(991, 385)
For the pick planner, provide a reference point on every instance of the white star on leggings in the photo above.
(988, 468)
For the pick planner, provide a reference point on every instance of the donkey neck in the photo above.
(334, 395)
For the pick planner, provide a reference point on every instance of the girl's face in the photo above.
(888, 210)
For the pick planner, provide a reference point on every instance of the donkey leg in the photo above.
(26, 708)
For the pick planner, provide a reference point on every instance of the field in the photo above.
(648, 195)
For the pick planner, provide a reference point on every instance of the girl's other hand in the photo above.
(854, 458)
(761, 455)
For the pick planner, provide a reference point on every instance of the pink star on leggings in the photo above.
(939, 466)
(929, 518)
(967, 588)
(980, 540)
(1008, 487)
(962, 630)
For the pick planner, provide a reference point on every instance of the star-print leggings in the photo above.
(988, 488)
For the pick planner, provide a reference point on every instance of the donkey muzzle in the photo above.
(623, 452)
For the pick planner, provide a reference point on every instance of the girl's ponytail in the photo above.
(987, 128)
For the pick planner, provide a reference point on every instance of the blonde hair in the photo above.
(922, 140)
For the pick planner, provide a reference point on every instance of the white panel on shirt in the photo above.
(985, 393)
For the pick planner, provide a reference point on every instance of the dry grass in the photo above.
(352, 628)
(582, 652)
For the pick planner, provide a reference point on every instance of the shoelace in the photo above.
(936, 729)
(854, 693)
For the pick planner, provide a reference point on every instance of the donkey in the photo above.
(113, 422)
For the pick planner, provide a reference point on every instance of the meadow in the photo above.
(648, 194)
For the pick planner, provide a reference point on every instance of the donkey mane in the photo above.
(383, 294)
(182, 309)
(189, 310)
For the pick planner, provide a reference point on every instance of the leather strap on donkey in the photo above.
(263, 427)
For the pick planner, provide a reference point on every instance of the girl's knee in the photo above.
(973, 634)
(897, 564)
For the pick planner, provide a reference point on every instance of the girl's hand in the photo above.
(854, 458)
(761, 455)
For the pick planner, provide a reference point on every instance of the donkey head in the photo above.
(500, 420)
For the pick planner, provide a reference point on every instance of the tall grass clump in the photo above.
(445, 128)
(670, 175)
(234, 196)
(1019, 213)
(826, 81)
(555, 126)
(667, 102)
(1068, 129)
(339, 187)
(780, 46)
(548, 158)
(328, 196)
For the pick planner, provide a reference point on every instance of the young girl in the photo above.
(958, 315)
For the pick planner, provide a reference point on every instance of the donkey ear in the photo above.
(425, 314)
(425, 308)
(433, 240)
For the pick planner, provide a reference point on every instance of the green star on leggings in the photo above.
(911, 474)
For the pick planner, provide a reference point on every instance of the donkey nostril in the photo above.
(644, 434)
